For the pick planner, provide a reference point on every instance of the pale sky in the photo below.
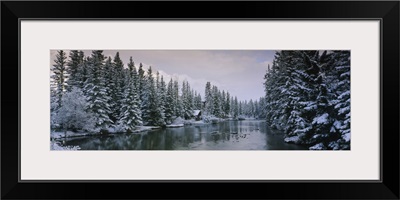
(240, 72)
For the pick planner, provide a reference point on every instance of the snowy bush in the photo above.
(72, 115)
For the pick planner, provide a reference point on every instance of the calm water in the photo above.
(229, 135)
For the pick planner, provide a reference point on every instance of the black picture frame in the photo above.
(386, 11)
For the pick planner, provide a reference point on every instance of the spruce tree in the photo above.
(240, 108)
(147, 97)
(186, 100)
(192, 99)
(177, 100)
(232, 105)
(169, 103)
(112, 92)
(209, 107)
(227, 106)
(262, 106)
(117, 87)
(236, 109)
(151, 112)
(82, 72)
(198, 101)
(216, 102)
(76, 58)
(308, 96)
(256, 109)
(96, 91)
(59, 76)
(141, 87)
(160, 96)
(223, 103)
(250, 108)
(342, 102)
(130, 116)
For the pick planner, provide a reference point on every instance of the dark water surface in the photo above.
(228, 135)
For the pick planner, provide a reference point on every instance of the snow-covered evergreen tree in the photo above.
(191, 99)
(308, 96)
(261, 108)
(162, 91)
(240, 108)
(151, 111)
(186, 101)
(227, 106)
(208, 97)
(147, 98)
(112, 93)
(59, 76)
(302, 94)
(141, 87)
(256, 109)
(250, 108)
(53, 110)
(75, 59)
(232, 105)
(116, 81)
(169, 103)
(235, 108)
(177, 100)
(216, 100)
(160, 98)
(198, 105)
(342, 103)
(324, 117)
(82, 72)
(130, 116)
(96, 91)
(223, 103)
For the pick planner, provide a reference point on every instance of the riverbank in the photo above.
(177, 123)
(226, 135)
(55, 145)
(56, 135)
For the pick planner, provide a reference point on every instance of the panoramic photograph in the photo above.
(199, 100)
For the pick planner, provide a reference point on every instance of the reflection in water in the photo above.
(229, 135)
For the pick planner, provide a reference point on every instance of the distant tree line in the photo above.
(222, 105)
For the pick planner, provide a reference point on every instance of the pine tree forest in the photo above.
(307, 97)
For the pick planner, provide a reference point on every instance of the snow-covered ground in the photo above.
(145, 128)
(58, 135)
(174, 125)
(180, 122)
(56, 146)
(201, 122)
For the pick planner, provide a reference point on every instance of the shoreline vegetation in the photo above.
(307, 97)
